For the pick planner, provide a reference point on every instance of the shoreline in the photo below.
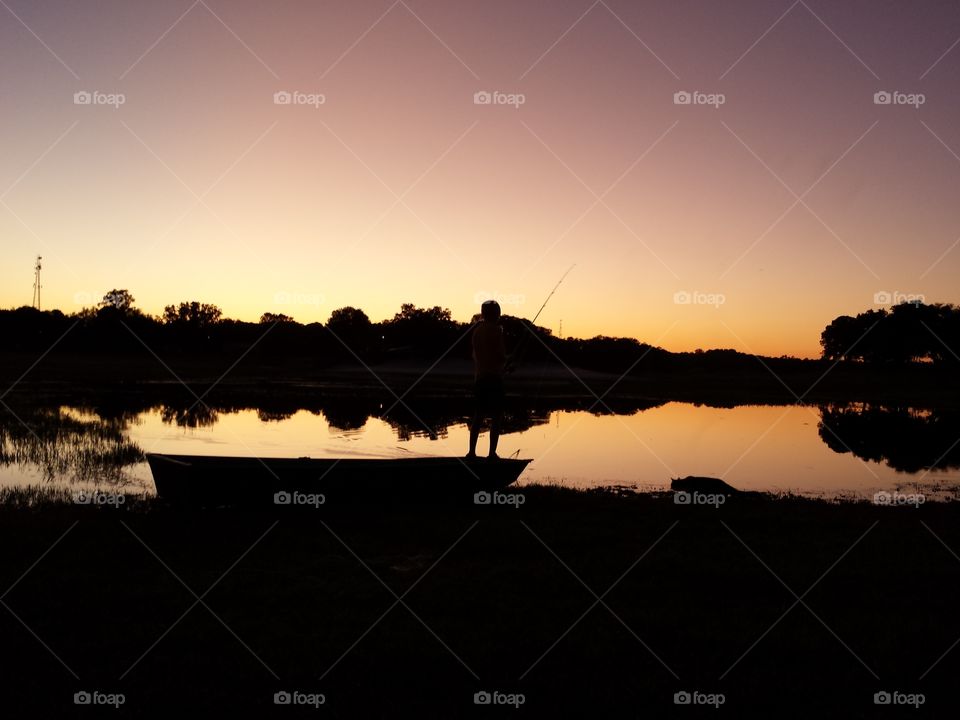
(42, 496)
(812, 385)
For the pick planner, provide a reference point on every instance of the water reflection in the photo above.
(76, 444)
(907, 439)
(640, 442)
(194, 416)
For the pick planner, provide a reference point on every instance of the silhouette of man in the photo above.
(490, 361)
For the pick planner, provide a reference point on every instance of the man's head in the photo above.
(490, 310)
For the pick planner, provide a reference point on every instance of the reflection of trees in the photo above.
(409, 425)
(907, 439)
(413, 417)
(431, 426)
(430, 419)
(349, 414)
(194, 416)
(62, 442)
(264, 415)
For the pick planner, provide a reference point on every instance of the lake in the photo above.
(827, 451)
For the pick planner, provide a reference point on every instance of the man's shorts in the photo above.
(488, 391)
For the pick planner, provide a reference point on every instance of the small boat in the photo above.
(211, 480)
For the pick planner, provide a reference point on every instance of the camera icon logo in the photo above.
(282, 97)
(482, 498)
(882, 698)
(682, 698)
(682, 497)
(282, 498)
(482, 97)
(82, 98)
(682, 97)
(682, 298)
(82, 698)
(482, 698)
(882, 298)
(282, 698)
(882, 97)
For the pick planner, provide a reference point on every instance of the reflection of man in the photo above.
(490, 359)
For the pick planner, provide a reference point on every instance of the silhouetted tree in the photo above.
(269, 317)
(837, 338)
(120, 300)
(411, 313)
(425, 331)
(349, 326)
(194, 314)
(908, 332)
(348, 319)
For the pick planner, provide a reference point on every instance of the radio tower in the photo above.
(36, 284)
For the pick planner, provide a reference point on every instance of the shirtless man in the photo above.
(490, 361)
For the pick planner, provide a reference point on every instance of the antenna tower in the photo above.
(36, 283)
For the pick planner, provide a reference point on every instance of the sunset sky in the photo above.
(796, 199)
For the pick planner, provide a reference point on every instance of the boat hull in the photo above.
(205, 480)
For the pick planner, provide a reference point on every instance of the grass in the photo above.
(490, 598)
(47, 497)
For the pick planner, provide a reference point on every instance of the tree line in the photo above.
(909, 333)
(906, 333)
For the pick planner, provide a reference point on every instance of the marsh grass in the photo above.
(50, 496)
(68, 443)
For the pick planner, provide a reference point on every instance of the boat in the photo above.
(214, 480)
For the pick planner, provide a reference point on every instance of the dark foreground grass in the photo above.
(585, 603)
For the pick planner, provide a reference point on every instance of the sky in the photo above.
(721, 174)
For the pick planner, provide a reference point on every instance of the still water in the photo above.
(831, 451)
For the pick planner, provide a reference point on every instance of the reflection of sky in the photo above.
(200, 188)
(753, 447)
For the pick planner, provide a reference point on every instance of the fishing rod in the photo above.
(562, 278)
(521, 349)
